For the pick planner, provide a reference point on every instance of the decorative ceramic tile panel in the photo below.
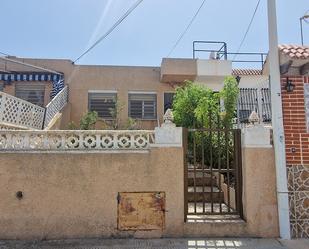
(301, 178)
(302, 205)
(298, 187)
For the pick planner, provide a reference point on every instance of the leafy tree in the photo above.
(186, 101)
(197, 106)
(229, 96)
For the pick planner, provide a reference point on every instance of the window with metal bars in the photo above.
(1, 86)
(143, 106)
(32, 92)
(103, 103)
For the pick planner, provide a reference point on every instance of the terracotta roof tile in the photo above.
(246, 72)
(295, 51)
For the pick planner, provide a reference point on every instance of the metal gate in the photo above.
(213, 177)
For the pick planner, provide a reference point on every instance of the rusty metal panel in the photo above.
(141, 211)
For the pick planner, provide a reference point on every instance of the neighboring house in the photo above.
(294, 67)
(143, 93)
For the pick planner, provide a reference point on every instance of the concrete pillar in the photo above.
(259, 182)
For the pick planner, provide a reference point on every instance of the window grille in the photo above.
(103, 103)
(143, 106)
(1, 86)
(32, 92)
(254, 99)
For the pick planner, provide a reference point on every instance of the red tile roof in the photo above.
(295, 51)
(246, 72)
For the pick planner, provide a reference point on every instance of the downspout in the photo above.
(277, 124)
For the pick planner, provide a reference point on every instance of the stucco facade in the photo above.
(74, 194)
(123, 80)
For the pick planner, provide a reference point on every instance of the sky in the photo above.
(66, 28)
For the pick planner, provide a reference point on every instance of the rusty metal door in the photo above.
(141, 211)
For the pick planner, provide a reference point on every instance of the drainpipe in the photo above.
(277, 123)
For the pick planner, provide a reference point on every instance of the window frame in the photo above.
(143, 106)
(102, 92)
(24, 84)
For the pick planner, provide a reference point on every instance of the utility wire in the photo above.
(4, 54)
(127, 13)
(187, 28)
(26, 64)
(248, 28)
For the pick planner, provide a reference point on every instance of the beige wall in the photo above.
(120, 79)
(259, 196)
(82, 78)
(73, 195)
(69, 195)
(259, 201)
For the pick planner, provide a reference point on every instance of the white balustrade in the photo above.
(56, 105)
(80, 140)
(15, 111)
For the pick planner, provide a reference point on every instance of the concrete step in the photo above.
(199, 195)
(201, 178)
(202, 181)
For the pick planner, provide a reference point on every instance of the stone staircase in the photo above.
(201, 188)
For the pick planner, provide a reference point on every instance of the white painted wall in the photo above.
(246, 81)
(253, 81)
(213, 68)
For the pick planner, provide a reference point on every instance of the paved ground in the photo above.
(159, 243)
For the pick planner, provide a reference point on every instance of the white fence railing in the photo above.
(15, 111)
(57, 140)
(56, 105)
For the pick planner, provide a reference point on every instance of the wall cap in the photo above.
(256, 136)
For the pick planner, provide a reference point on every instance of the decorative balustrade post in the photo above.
(81, 141)
(115, 141)
(46, 141)
(97, 141)
(168, 135)
(63, 144)
(27, 141)
(132, 141)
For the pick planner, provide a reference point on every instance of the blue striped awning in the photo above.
(29, 76)
(57, 87)
(56, 79)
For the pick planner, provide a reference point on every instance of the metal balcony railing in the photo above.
(218, 50)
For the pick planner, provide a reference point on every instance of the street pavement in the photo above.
(185, 243)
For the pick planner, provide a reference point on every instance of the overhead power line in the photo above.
(248, 28)
(187, 28)
(4, 54)
(116, 24)
(26, 64)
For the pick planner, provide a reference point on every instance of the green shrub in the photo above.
(88, 121)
